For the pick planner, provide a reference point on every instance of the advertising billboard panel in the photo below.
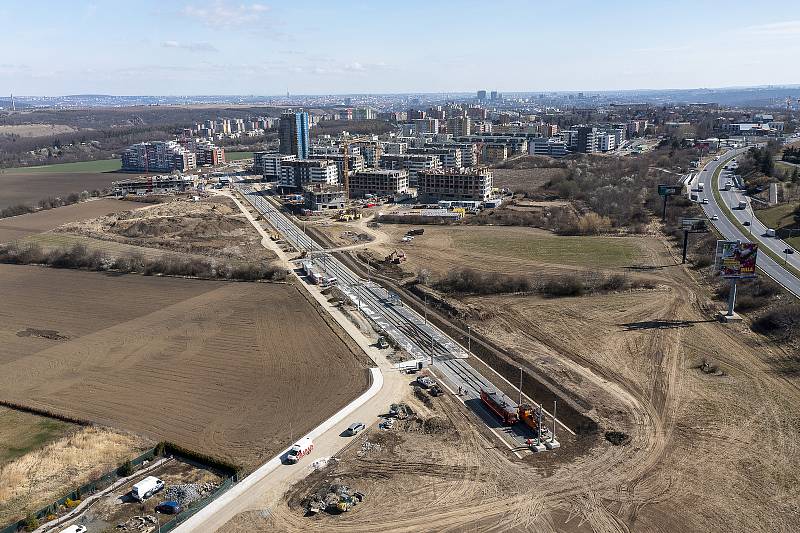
(737, 259)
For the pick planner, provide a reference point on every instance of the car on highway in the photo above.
(704, 201)
(169, 507)
(354, 429)
(746, 223)
(714, 217)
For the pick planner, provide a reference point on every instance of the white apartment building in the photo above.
(299, 172)
(450, 157)
(455, 185)
(268, 164)
(413, 163)
(380, 182)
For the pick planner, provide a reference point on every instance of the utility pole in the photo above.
(685, 244)
(469, 339)
(732, 297)
(426, 309)
(520, 386)
(553, 434)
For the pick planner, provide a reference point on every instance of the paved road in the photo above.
(265, 487)
(422, 340)
(729, 230)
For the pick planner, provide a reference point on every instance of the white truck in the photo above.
(742, 204)
(300, 449)
(770, 232)
(701, 186)
(146, 488)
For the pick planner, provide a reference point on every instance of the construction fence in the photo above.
(52, 510)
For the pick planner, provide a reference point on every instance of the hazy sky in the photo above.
(338, 46)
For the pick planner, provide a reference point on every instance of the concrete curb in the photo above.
(265, 469)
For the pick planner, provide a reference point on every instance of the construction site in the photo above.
(628, 392)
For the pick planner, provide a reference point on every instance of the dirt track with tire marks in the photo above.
(226, 369)
(707, 452)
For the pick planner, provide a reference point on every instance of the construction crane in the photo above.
(345, 145)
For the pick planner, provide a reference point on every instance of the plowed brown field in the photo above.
(234, 370)
(14, 228)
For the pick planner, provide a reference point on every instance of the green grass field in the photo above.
(236, 156)
(21, 433)
(557, 249)
(779, 216)
(103, 165)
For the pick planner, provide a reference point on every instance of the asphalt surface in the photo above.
(410, 330)
(730, 231)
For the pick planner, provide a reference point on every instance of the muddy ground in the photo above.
(211, 366)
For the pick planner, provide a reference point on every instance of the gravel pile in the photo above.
(189, 492)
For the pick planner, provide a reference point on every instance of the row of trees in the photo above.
(469, 281)
(81, 257)
(48, 203)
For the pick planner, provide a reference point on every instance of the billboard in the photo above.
(669, 190)
(736, 259)
(694, 225)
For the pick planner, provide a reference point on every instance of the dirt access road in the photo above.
(268, 489)
(227, 369)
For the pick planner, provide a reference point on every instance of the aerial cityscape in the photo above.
(443, 266)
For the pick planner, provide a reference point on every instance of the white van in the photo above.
(146, 488)
(74, 529)
(300, 449)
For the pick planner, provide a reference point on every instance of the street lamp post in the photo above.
(469, 338)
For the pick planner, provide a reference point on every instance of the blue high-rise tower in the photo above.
(294, 134)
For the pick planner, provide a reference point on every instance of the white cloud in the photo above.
(201, 46)
(223, 13)
(355, 66)
(788, 28)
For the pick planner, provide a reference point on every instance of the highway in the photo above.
(421, 339)
(730, 231)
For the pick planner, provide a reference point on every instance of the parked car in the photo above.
(425, 382)
(169, 507)
(354, 429)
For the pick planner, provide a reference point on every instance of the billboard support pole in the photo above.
(685, 244)
(664, 212)
(732, 297)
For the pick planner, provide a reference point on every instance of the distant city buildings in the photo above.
(293, 134)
